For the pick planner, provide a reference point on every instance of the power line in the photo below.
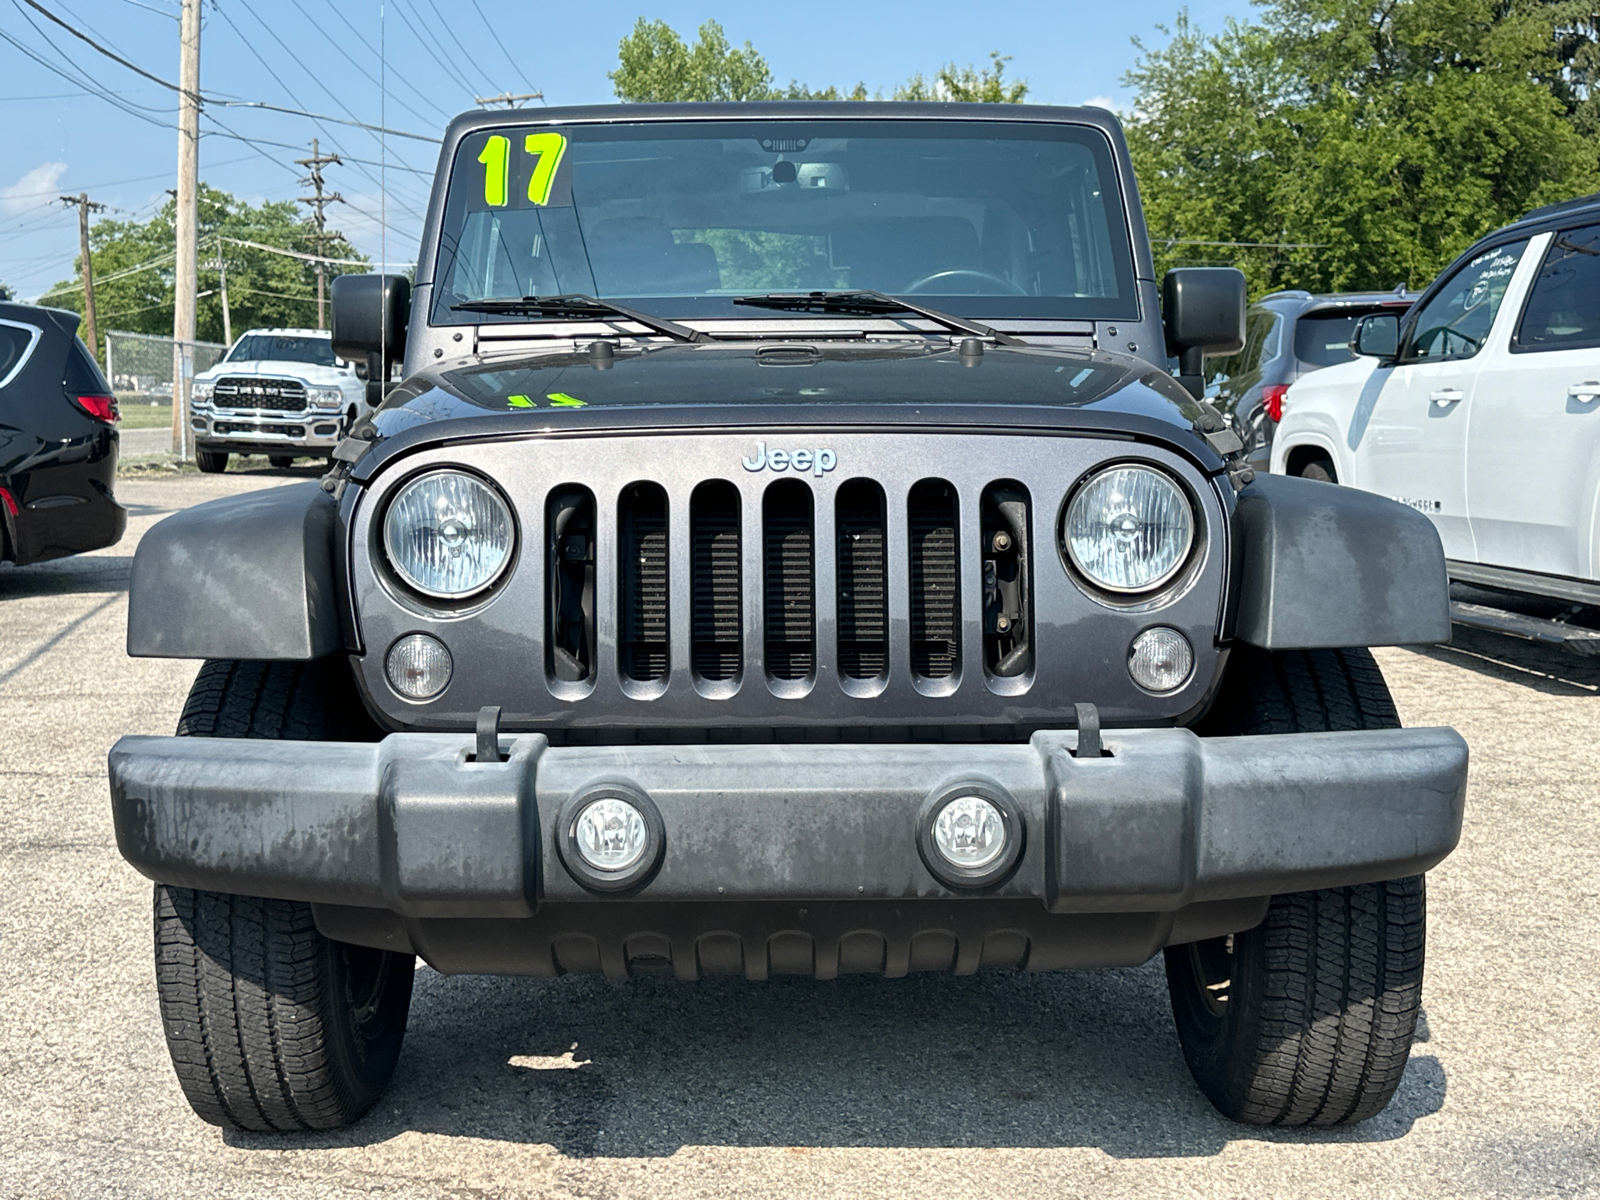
(354, 62)
(515, 66)
(446, 61)
(110, 99)
(334, 8)
(137, 70)
(216, 100)
(466, 55)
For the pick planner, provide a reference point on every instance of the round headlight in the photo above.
(448, 534)
(1129, 529)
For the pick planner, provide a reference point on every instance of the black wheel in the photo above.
(281, 462)
(1308, 1018)
(211, 462)
(1319, 469)
(270, 1025)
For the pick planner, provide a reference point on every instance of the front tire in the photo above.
(280, 462)
(271, 1026)
(1308, 1018)
(211, 462)
(1320, 470)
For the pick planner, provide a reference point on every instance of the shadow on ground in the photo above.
(644, 1067)
(1543, 668)
(84, 574)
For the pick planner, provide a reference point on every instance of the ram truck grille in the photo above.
(258, 392)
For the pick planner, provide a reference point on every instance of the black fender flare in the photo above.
(1325, 567)
(245, 577)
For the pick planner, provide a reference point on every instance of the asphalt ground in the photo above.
(1001, 1085)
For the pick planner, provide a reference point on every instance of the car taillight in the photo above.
(10, 501)
(1272, 400)
(101, 408)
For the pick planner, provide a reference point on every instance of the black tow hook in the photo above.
(489, 735)
(1088, 732)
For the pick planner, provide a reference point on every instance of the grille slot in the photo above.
(862, 568)
(249, 391)
(642, 582)
(789, 593)
(935, 603)
(716, 634)
(569, 613)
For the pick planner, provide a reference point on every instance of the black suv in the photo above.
(1287, 334)
(787, 553)
(58, 440)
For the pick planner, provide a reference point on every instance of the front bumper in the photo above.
(1163, 822)
(312, 431)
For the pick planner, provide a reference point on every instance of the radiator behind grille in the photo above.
(862, 580)
(716, 634)
(642, 580)
(935, 608)
(789, 608)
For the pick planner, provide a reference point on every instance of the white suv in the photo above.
(279, 392)
(1481, 408)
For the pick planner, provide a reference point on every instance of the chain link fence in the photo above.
(140, 365)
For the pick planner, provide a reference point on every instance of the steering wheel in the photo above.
(1004, 286)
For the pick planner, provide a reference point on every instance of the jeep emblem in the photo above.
(819, 461)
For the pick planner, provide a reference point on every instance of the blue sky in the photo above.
(319, 55)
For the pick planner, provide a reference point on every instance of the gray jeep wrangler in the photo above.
(789, 552)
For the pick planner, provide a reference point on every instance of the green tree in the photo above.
(655, 65)
(6, 293)
(1358, 143)
(134, 269)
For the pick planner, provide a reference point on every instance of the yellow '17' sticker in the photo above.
(495, 156)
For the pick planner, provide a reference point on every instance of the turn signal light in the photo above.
(101, 408)
(1272, 400)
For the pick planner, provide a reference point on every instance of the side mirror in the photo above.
(1202, 309)
(370, 313)
(1377, 335)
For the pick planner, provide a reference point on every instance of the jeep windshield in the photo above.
(980, 218)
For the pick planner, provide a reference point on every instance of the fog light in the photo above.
(611, 834)
(1160, 660)
(418, 666)
(969, 833)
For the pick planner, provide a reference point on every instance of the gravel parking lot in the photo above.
(996, 1085)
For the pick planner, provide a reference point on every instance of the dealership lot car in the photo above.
(1288, 335)
(279, 392)
(1479, 409)
(787, 554)
(58, 440)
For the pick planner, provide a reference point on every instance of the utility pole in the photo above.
(185, 283)
(318, 202)
(508, 99)
(220, 265)
(85, 206)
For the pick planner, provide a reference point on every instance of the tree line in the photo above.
(134, 266)
(1328, 144)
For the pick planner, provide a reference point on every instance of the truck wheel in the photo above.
(1306, 1019)
(271, 1026)
(211, 462)
(280, 462)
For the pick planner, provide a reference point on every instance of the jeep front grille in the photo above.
(255, 392)
(660, 592)
(787, 584)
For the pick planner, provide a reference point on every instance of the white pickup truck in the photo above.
(279, 392)
(1481, 408)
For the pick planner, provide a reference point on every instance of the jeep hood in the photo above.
(787, 383)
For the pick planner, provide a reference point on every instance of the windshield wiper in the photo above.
(576, 305)
(863, 302)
